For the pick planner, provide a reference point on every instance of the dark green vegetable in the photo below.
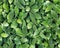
(29, 23)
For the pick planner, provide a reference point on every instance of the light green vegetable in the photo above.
(10, 1)
(4, 35)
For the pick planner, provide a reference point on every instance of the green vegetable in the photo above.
(32, 46)
(0, 29)
(32, 18)
(4, 35)
(35, 8)
(0, 38)
(24, 40)
(14, 24)
(29, 23)
(10, 16)
(27, 8)
(10, 1)
(5, 24)
(55, 1)
(19, 32)
(59, 45)
(5, 6)
(19, 21)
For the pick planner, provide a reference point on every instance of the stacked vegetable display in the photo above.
(29, 23)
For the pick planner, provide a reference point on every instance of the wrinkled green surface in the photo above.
(29, 23)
